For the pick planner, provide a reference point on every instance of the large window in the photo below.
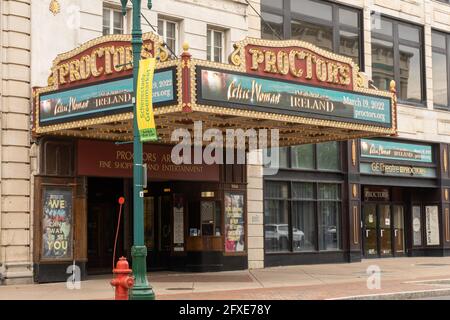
(168, 30)
(113, 21)
(397, 54)
(322, 156)
(440, 69)
(302, 216)
(328, 25)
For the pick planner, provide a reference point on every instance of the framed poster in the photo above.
(178, 222)
(417, 226)
(57, 223)
(432, 225)
(234, 223)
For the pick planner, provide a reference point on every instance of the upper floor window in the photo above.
(328, 25)
(440, 59)
(168, 30)
(113, 21)
(215, 45)
(397, 54)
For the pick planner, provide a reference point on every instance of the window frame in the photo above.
(213, 31)
(316, 159)
(290, 200)
(446, 52)
(288, 16)
(396, 43)
(111, 28)
(164, 33)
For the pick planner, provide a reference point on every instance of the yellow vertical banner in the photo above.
(144, 105)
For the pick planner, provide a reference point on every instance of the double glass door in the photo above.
(383, 230)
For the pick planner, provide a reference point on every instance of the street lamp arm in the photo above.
(124, 5)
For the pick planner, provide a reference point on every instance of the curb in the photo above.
(404, 295)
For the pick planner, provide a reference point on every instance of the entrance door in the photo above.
(370, 230)
(384, 211)
(102, 219)
(165, 209)
(399, 230)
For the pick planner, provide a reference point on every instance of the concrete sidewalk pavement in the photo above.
(324, 281)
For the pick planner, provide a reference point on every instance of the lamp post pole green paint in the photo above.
(141, 289)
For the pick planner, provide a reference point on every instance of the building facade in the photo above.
(340, 200)
(398, 185)
(33, 33)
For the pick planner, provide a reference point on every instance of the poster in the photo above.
(234, 223)
(417, 228)
(57, 221)
(178, 222)
(432, 225)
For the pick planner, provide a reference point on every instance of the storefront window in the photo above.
(294, 216)
(328, 156)
(276, 217)
(303, 217)
(303, 156)
(329, 217)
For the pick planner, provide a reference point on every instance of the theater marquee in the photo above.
(310, 95)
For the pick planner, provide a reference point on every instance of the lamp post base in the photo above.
(141, 289)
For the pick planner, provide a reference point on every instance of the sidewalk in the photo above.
(325, 281)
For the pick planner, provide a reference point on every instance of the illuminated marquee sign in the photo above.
(298, 64)
(294, 80)
(101, 59)
(102, 99)
(257, 93)
(381, 149)
(93, 83)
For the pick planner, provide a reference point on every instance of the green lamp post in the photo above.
(141, 290)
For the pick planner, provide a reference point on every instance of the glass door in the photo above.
(399, 230)
(370, 230)
(164, 230)
(384, 212)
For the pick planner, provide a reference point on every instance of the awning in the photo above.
(310, 95)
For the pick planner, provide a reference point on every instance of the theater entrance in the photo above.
(102, 218)
(157, 227)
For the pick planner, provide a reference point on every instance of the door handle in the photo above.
(367, 233)
(381, 232)
(396, 232)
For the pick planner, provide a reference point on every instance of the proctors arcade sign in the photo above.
(307, 93)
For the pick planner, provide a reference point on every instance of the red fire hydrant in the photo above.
(123, 280)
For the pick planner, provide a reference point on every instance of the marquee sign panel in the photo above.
(236, 90)
(102, 99)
